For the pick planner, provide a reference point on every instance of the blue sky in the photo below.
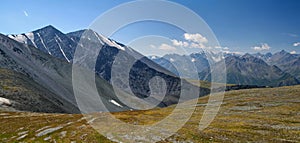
(239, 25)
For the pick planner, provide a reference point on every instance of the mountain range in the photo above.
(279, 69)
(36, 69)
(45, 56)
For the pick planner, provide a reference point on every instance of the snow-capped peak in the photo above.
(153, 57)
(109, 42)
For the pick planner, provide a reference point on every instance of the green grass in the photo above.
(275, 118)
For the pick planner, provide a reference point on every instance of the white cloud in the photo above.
(262, 47)
(225, 48)
(197, 38)
(25, 13)
(220, 47)
(180, 43)
(293, 52)
(167, 47)
(296, 44)
(197, 45)
(191, 41)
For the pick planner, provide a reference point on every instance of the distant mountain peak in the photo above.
(283, 52)
(48, 28)
(247, 55)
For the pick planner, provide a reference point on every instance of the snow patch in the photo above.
(4, 101)
(115, 102)
(19, 38)
(11, 36)
(172, 60)
(153, 57)
(43, 43)
(72, 39)
(61, 49)
(58, 38)
(98, 37)
(193, 60)
(293, 52)
(30, 36)
(108, 41)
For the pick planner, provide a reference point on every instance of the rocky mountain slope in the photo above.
(183, 65)
(50, 41)
(46, 55)
(289, 63)
(253, 71)
(55, 43)
(48, 73)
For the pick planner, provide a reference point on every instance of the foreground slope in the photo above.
(255, 115)
(20, 93)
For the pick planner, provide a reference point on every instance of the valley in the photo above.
(150, 71)
(38, 102)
